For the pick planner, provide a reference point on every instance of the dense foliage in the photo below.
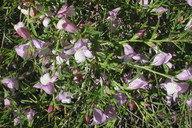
(96, 63)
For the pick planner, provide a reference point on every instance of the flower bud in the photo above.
(87, 118)
(132, 105)
(21, 30)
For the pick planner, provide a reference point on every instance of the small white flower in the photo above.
(172, 88)
(19, 25)
(66, 101)
(59, 60)
(80, 56)
(45, 79)
(60, 24)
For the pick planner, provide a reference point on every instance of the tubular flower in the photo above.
(143, 2)
(189, 103)
(189, 2)
(47, 83)
(30, 114)
(162, 58)
(185, 74)
(66, 11)
(7, 102)
(21, 30)
(64, 97)
(131, 54)
(21, 50)
(11, 83)
(80, 51)
(112, 18)
(100, 117)
(65, 24)
(161, 10)
(174, 89)
(138, 83)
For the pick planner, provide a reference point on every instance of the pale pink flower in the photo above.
(174, 89)
(30, 114)
(11, 83)
(185, 74)
(39, 44)
(16, 121)
(66, 11)
(7, 102)
(161, 10)
(162, 58)
(60, 58)
(189, 2)
(80, 51)
(21, 50)
(21, 30)
(189, 103)
(47, 83)
(143, 2)
(65, 24)
(114, 21)
(138, 83)
(121, 97)
(46, 21)
(64, 97)
(131, 54)
(100, 117)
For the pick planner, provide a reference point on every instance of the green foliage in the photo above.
(167, 33)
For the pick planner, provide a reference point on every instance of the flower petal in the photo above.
(99, 117)
(49, 88)
(79, 56)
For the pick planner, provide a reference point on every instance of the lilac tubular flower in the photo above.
(16, 121)
(162, 58)
(80, 52)
(174, 89)
(161, 10)
(39, 44)
(143, 2)
(138, 83)
(185, 74)
(64, 97)
(113, 13)
(65, 24)
(46, 21)
(169, 100)
(129, 53)
(11, 83)
(47, 83)
(189, 2)
(62, 58)
(66, 11)
(21, 50)
(21, 30)
(189, 103)
(114, 21)
(99, 117)
(121, 97)
(7, 103)
(30, 114)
